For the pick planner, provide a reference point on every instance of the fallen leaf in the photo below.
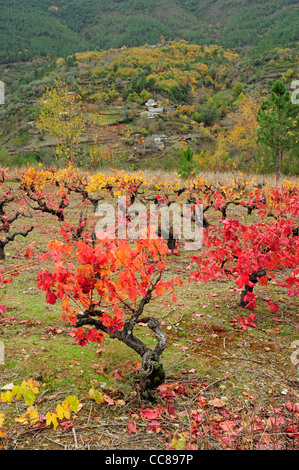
(120, 403)
(66, 424)
(109, 400)
(216, 402)
(53, 329)
(8, 387)
(131, 425)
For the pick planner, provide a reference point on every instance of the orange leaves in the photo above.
(160, 288)
(65, 304)
(110, 277)
(161, 265)
(58, 250)
(36, 178)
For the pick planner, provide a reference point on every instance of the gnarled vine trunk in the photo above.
(151, 373)
(9, 238)
(253, 279)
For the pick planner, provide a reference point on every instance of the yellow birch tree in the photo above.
(243, 135)
(62, 115)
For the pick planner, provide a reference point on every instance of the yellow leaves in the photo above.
(62, 115)
(243, 134)
(166, 185)
(51, 418)
(73, 403)
(97, 182)
(63, 411)
(32, 414)
(173, 65)
(27, 390)
(30, 417)
(2, 419)
(291, 185)
(6, 397)
(195, 182)
(118, 180)
(71, 177)
(97, 396)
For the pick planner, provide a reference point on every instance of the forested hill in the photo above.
(62, 27)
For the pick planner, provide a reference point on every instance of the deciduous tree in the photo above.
(62, 115)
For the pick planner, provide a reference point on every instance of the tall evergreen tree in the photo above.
(278, 124)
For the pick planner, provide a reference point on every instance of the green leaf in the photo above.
(29, 396)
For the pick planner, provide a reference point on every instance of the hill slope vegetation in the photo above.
(31, 27)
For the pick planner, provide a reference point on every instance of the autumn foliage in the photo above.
(106, 288)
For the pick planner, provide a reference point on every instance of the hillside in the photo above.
(196, 88)
(31, 27)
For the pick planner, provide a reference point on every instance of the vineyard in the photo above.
(111, 342)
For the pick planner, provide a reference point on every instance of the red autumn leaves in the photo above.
(235, 250)
(211, 422)
(112, 276)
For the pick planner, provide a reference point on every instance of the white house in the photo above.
(153, 109)
(151, 103)
(156, 141)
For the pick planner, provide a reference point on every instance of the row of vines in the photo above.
(104, 284)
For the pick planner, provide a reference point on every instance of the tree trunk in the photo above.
(2, 253)
(277, 165)
(253, 279)
(151, 373)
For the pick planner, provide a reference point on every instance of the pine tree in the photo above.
(278, 123)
